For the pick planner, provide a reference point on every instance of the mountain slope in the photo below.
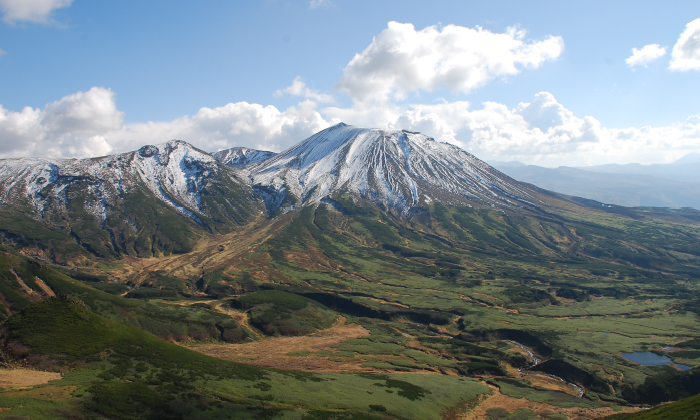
(144, 202)
(394, 169)
(242, 156)
(613, 188)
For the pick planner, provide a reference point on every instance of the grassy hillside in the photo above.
(588, 285)
(686, 409)
(136, 224)
(280, 313)
(181, 323)
(112, 370)
(448, 299)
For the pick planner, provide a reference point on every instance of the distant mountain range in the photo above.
(659, 185)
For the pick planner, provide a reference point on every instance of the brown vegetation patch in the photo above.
(43, 286)
(310, 259)
(274, 352)
(27, 290)
(51, 392)
(384, 302)
(551, 384)
(498, 400)
(25, 378)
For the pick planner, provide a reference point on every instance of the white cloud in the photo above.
(299, 88)
(2, 52)
(314, 4)
(542, 131)
(686, 52)
(644, 56)
(88, 124)
(72, 126)
(401, 60)
(235, 124)
(30, 10)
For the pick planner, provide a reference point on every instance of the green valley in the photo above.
(196, 303)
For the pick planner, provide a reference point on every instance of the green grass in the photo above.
(458, 272)
(167, 321)
(276, 312)
(122, 372)
(642, 268)
(65, 329)
(686, 409)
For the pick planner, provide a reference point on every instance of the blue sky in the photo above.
(102, 77)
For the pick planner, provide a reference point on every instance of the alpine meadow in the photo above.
(250, 262)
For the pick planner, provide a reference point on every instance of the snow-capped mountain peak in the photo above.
(175, 172)
(394, 168)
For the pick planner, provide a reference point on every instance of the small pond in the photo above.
(648, 358)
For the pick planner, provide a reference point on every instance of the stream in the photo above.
(536, 361)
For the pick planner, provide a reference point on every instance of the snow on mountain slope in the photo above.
(394, 168)
(175, 172)
(242, 156)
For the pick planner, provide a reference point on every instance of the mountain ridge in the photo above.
(632, 185)
(242, 156)
(125, 202)
(160, 198)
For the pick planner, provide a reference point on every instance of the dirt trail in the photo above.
(274, 352)
(25, 378)
(241, 318)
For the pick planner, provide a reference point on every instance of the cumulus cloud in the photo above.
(30, 10)
(72, 126)
(686, 52)
(235, 124)
(87, 124)
(542, 131)
(645, 55)
(299, 88)
(539, 132)
(401, 60)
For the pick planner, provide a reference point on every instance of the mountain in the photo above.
(638, 186)
(145, 202)
(395, 169)
(689, 158)
(503, 164)
(242, 156)
(685, 169)
(411, 256)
